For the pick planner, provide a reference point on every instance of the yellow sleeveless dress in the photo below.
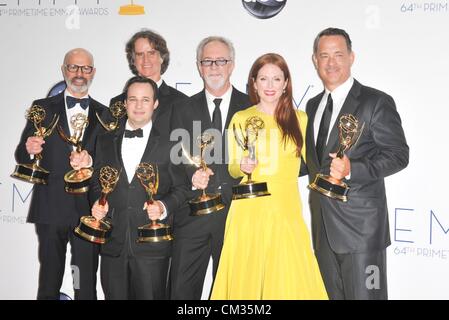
(267, 252)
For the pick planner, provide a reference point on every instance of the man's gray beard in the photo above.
(216, 85)
(78, 89)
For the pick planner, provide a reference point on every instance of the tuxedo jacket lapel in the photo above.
(117, 142)
(234, 106)
(92, 122)
(311, 152)
(63, 123)
(152, 143)
(147, 155)
(163, 92)
(203, 111)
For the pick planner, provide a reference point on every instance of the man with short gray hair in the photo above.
(197, 238)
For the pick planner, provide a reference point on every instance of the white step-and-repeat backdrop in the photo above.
(401, 47)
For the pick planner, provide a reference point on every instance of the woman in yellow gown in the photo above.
(267, 252)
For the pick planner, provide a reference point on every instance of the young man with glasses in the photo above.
(55, 212)
(197, 238)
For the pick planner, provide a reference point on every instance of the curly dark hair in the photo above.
(158, 43)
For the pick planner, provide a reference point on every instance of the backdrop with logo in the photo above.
(400, 48)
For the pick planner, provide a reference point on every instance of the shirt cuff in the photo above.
(91, 162)
(164, 212)
(193, 188)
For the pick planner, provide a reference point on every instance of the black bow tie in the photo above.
(134, 133)
(72, 101)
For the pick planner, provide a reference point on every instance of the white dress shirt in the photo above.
(69, 113)
(224, 105)
(338, 97)
(133, 149)
(224, 108)
(76, 109)
(132, 152)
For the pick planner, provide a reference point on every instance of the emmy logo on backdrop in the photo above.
(148, 175)
(118, 111)
(247, 141)
(350, 131)
(207, 202)
(89, 228)
(76, 181)
(33, 172)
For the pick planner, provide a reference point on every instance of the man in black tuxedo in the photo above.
(199, 237)
(148, 57)
(350, 238)
(131, 270)
(54, 212)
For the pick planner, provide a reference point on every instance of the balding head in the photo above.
(79, 52)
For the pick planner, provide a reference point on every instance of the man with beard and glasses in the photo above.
(55, 212)
(197, 238)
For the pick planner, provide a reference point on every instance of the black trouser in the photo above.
(192, 249)
(352, 276)
(134, 277)
(53, 241)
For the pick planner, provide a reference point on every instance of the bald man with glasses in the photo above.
(55, 212)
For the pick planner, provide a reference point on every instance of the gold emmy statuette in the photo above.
(89, 228)
(33, 172)
(207, 202)
(349, 132)
(148, 175)
(247, 141)
(118, 111)
(131, 9)
(76, 181)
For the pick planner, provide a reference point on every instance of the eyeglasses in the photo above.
(74, 68)
(218, 63)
